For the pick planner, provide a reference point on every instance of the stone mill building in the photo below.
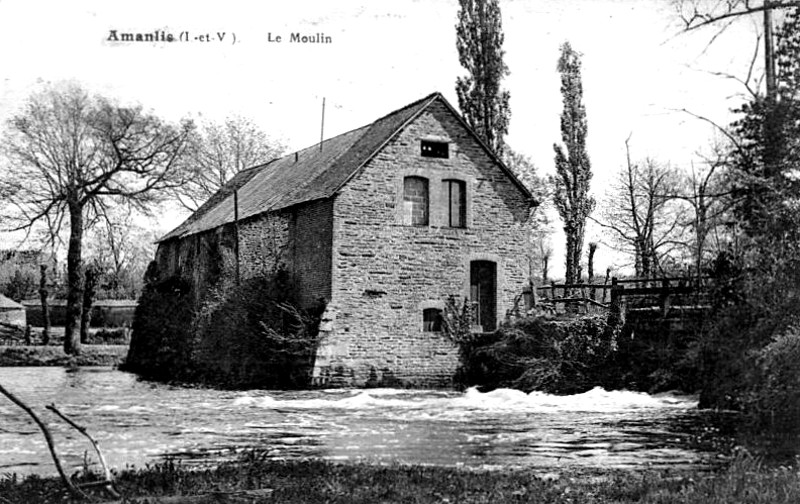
(383, 224)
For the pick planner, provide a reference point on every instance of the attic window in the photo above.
(434, 149)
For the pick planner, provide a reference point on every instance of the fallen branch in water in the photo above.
(49, 438)
(108, 484)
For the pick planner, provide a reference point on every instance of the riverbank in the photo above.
(40, 355)
(744, 481)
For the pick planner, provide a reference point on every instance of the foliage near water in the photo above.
(161, 340)
(253, 334)
(746, 480)
(246, 335)
(748, 355)
(563, 356)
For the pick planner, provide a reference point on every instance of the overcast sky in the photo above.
(638, 70)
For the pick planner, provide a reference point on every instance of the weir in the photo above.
(662, 320)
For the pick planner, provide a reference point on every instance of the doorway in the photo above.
(483, 293)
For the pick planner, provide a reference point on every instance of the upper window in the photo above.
(431, 148)
(431, 320)
(415, 201)
(456, 194)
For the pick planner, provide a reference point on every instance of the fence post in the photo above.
(583, 297)
(614, 291)
(665, 297)
(616, 299)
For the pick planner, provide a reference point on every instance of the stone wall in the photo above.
(361, 252)
(387, 271)
(312, 239)
(207, 259)
(105, 312)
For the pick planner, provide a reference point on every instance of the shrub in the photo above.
(774, 398)
(536, 353)
(24, 284)
(161, 338)
(244, 335)
(254, 335)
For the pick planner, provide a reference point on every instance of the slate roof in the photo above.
(306, 175)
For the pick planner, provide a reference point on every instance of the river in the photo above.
(138, 422)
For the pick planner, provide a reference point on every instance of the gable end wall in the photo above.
(385, 272)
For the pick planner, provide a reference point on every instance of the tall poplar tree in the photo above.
(479, 39)
(573, 169)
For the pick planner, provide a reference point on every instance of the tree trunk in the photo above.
(45, 308)
(545, 267)
(569, 276)
(72, 342)
(90, 283)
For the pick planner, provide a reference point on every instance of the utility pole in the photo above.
(769, 53)
(322, 126)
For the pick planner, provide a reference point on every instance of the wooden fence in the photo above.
(636, 293)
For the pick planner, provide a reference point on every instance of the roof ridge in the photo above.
(314, 172)
(410, 105)
(364, 126)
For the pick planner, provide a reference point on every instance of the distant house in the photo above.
(382, 223)
(11, 312)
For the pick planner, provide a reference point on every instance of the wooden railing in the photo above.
(636, 293)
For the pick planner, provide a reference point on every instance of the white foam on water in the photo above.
(595, 400)
(260, 401)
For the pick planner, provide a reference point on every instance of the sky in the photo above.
(639, 71)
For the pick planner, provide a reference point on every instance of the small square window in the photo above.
(430, 148)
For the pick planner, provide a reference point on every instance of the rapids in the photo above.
(138, 422)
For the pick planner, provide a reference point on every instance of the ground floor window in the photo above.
(431, 320)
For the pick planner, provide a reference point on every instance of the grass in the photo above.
(744, 481)
(39, 355)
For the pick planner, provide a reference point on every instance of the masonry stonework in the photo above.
(341, 221)
(386, 271)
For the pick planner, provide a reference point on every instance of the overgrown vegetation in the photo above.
(161, 336)
(556, 355)
(744, 481)
(254, 334)
(746, 354)
(246, 335)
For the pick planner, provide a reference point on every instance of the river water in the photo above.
(138, 422)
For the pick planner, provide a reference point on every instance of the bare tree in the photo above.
(697, 14)
(640, 214)
(707, 194)
(218, 152)
(121, 249)
(71, 154)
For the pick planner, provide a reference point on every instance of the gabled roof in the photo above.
(313, 173)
